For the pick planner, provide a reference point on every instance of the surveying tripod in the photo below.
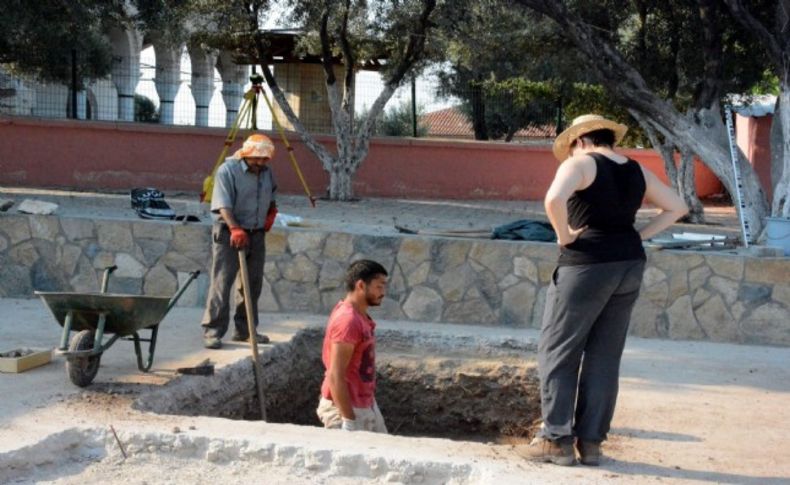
(248, 115)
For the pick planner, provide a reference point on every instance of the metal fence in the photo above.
(418, 108)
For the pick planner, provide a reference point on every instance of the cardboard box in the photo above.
(20, 360)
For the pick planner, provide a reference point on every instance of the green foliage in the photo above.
(398, 120)
(37, 38)
(145, 110)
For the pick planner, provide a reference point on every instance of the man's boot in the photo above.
(589, 452)
(541, 449)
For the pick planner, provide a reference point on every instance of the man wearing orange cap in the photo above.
(244, 210)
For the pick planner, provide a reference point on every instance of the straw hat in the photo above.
(585, 124)
(256, 145)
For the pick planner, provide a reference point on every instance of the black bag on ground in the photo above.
(525, 230)
(149, 203)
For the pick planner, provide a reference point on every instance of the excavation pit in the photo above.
(459, 387)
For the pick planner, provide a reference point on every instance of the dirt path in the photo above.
(688, 413)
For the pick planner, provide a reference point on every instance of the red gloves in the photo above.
(270, 216)
(238, 237)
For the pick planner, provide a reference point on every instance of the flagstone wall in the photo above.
(685, 295)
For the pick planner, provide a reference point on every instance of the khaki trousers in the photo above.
(368, 419)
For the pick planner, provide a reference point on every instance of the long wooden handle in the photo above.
(256, 363)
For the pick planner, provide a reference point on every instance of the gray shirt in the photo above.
(244, 192)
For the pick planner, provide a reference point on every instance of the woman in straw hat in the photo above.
(244, 210)
(592, 204)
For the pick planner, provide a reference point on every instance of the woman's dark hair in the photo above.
(598, 138)
(365, 270)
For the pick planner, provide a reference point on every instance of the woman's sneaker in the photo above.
(589, 452)
(541, 449)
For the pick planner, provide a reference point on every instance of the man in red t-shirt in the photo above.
(349, 354)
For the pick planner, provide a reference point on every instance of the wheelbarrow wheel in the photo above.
(82, 370)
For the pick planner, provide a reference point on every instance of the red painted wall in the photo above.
(754, 139)
(106, 155)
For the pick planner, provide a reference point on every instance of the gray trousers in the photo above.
(585, 322)
(224, 273)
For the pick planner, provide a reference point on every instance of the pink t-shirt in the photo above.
(349, 326)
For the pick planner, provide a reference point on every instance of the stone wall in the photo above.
(685, 295)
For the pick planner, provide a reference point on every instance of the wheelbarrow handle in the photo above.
(106, 278)
(192, 276)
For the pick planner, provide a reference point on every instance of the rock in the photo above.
(728, 266)
(276, 243)
(545, 271)
(727, 288)
(115, 236)
(267, 302)
(716, 320)
(419, 275)
(301, 269)
(517, 305)
(157, 230)
(700, 296)
(128, 267)
(69, 258)
(525, 268)
(179, 262)
(30, 206)
(423, 304)
(682, 322)
(191, 241)
(753, 295)
(447, 254)
(645, 321)
(339, 246)
(657, 294)
(389, 309)
(85, 279)
(768, 270)
(331, 276)
(330, 298)
(475, 311)
(496, 256)
(781, 294)
(652, 276)
(413, 252)
(300, 241)
(77, 229)
(43, 227)
(767, 324)
(297, 297)
(24, 254)
(377, 248)
(153, 250)
(507, 282)
(397, 283)
(678, 285)
(6, 204)
(454, 282)
(14, 279)
(3, 244)
(159, 281)
(16, 228)
(699, 276)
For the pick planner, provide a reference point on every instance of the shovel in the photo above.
(256, 364)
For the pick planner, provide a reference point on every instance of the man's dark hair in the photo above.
(365, 270)
(599, 138)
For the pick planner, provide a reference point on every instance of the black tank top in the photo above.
(608, 208)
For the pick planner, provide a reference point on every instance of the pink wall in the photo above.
(753, 135)
(105, 155)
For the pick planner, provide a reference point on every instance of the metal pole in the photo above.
(74, 83)
(738, 183)
(256, 363)
(414, 106)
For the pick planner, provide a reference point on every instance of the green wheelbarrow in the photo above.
(94, 315)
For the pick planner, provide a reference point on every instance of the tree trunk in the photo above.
(688, 188)
(478, 112)
(340, 183)
(781, 180)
